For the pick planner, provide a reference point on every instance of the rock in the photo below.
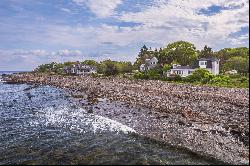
(181, 123)
(235, 133)
(89, 110)
(164, 116)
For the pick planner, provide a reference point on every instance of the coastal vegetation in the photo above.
(180, 52)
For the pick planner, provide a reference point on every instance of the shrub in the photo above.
(153, 74)
(139, 75)
(174, 77)
(200, 75)
(220, 80)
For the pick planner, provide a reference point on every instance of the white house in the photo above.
(78, 69)
(210, 64)
(149, 64)
(181, 70)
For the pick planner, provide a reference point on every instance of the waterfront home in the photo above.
(80, 69)
(210, 64)
(149, 64)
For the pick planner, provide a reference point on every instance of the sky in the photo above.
(34, 32)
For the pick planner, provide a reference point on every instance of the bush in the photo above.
(220, 80)
(174, 77)
(139, 75)
(153, 74)
(200, 75)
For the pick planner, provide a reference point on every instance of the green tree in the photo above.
(241, 64)
(50, 67)
(90, 62)
(144, 54)
(183, 52)
(166, 67)
(227, 53)
(206, 52)
(110, 68)
(143, 51)
(68, 63)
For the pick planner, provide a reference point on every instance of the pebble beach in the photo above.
(212, 121)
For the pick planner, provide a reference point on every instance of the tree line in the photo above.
(185, 53)
(107, 67)
(180, 52)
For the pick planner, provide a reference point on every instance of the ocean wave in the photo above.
(78, 120)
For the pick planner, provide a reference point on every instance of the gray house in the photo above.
(80, 69)
(149, 64)
(210, 64)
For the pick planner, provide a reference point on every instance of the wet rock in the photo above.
(10, 105)
(189, 124)
(198, 130)
(235, 133)
(226, 127)
(90, 110)
(73, 106)
(213, 131)
(223, 134)
(165, 116)
(181, 123)
(29, 95)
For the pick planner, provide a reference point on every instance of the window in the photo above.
(190, 72)
(203, 63)
(178, 72)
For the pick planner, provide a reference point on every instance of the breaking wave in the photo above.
(78, 120)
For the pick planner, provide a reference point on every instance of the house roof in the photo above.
(80, 66)
(183, 67)
(208, 59)
(154, 59)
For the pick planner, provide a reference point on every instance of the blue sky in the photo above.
(33, 32)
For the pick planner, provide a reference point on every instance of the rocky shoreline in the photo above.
(210, 121)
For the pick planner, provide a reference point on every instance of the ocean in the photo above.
(43, 125)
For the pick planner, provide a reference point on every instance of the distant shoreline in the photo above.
(212, 121)
(1, 72)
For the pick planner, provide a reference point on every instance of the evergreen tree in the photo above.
(206, 52)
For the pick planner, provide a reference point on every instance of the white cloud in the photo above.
(237, 41)
(101, 8)
(67, 52)
(171, 20)
(165, 22)
(66, 10)
(30, 59)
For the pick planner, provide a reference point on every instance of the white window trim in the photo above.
(203, 63)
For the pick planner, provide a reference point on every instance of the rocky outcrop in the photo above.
(209, 120)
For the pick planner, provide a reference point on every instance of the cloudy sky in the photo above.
(33, 32)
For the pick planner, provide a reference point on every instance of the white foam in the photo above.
(78, 120)
(103, 122)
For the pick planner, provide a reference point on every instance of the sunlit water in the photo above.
(42, 125)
